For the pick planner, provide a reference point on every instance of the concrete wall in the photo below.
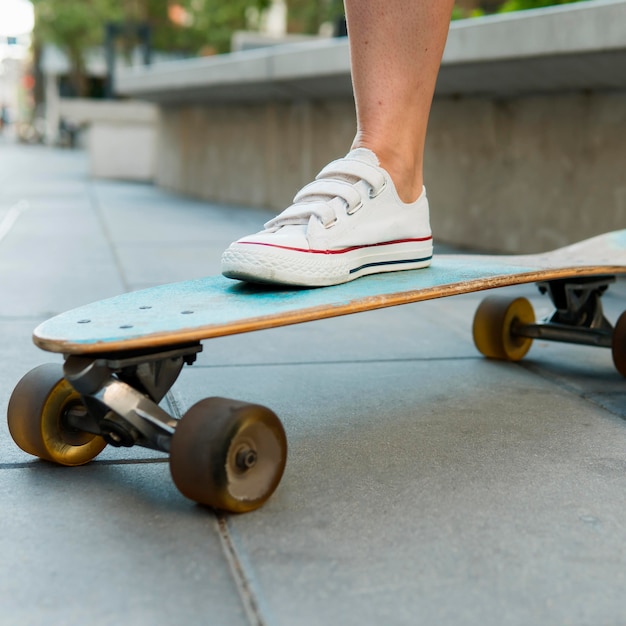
(518, 174)
(526, 148)
(529, 173)
(255, 155)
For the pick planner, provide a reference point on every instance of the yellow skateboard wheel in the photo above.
(494, 324)
(35, 415)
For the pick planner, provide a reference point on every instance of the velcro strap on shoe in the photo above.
(328, 189)
(342, 168)
(301, 214)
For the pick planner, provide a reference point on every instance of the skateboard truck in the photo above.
(223, 453)
(122, 395)
(578, 317)
(505, 328)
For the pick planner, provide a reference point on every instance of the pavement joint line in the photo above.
(27, 318)
(587, 396)
(19, 465)
(175, 403)
(235, 565)
(97, 208)
(130, 461)
(339, 362)
(244, 588)
(37, 463)
(11, 217)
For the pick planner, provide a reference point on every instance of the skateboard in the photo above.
(123, 354)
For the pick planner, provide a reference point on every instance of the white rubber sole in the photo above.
(269, 264)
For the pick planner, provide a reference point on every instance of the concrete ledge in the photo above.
(284, 72)
(579, 46)
(121, 136)
(87, 111)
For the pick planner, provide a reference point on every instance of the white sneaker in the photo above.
(347, 223)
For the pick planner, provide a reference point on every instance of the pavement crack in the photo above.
(247, 595)
(98, 210)
(244, 587)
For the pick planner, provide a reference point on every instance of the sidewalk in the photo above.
(425, 484)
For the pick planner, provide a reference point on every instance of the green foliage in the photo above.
(306, 16)
(212, 23)
(75, 26)
(505, 6)
(458, 13)
(521, 5)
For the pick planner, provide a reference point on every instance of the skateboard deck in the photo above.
(122, 355)
(209, 307)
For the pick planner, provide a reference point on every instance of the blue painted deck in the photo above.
(215, 306)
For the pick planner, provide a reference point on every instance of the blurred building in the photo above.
(54, 73)
(14, 82)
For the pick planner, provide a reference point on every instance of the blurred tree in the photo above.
(206, 26)
(473, 8)
(188, 27)
(74, 27)
(307, 16)
(520, 5)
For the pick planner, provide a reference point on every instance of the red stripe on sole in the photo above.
(343, 251)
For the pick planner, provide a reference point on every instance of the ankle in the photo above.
(404, 168)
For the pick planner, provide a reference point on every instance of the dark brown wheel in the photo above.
(493, 326)
(228, 455)
(36, 412)
(618, 344)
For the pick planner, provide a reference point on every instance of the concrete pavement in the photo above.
(425, 484)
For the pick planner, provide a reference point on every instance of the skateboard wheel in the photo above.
(35, 416)
(493, 327)
(228, 455)
(618, 344)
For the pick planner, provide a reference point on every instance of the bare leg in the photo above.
(396, 48)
